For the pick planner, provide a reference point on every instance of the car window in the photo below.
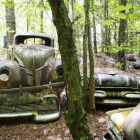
(34, 41)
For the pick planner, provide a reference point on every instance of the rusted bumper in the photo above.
(31, 88)
(37, 117)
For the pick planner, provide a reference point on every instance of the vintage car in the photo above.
(116, 89)
(29, 81)
(124, 124)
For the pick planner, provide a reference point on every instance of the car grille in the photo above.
(29, 107)
(44, 76)
(23, 77)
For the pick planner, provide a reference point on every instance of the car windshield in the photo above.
(33, 40)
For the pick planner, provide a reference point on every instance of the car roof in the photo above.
(33, 34)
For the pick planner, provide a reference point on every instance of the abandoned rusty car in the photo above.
(29, 80)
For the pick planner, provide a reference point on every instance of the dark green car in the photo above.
(29, 81)
(116, 89)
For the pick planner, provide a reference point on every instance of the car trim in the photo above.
(37, 117)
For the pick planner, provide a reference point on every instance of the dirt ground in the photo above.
(58, 130)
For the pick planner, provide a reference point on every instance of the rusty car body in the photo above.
(29, 80)
(116, 89)
(124, 124)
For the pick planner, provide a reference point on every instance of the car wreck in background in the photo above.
(116, 89)
(124, 124)
(28, 82)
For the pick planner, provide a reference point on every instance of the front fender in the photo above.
(12, 70)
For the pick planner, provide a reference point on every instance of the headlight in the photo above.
(59, 70)
(4, 77)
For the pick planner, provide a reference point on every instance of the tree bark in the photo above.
(85, 45)
(94, 34)
(103, 30)
(107, 28)
(122, 37)
(91, 58)
(10, 22)
(75, 114)
(105, 18)
(41, 21)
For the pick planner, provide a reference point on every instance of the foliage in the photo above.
(31, 9)
(119, 65)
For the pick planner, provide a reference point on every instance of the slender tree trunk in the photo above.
(10, 22)
(94, 34)
(103, 30)
(41, 21)
(75, 115)
(27, 18)
(109, 39)
(107, 28)
(122, 37)
(91, 58)
(103, 38)
(85, 44)
(115, 32)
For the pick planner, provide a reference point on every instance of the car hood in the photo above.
(33, 57)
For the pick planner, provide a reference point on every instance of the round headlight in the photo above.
(4, 77)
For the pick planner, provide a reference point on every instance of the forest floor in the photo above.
(58, 130)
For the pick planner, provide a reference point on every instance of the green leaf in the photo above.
(122, 16)
(137, 15)
(137, 8)
(128, 6)
(120, 8)
(107, 22)
(5, 3)
(132, 16)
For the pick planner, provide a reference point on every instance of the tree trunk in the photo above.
(102, 31)
(122, 37)
(107, 28)
(94, 34)
(75, 114)
(28, 21)
(85, 44)
(91, 58)
(41, 21)
(103, 38)
(10, 22)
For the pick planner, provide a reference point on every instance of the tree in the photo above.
(85, 45)
(75, 114)
(41, 21)
(10, 21)
(122, 37)
(91, 58)
(94, 32)
(41, 17)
